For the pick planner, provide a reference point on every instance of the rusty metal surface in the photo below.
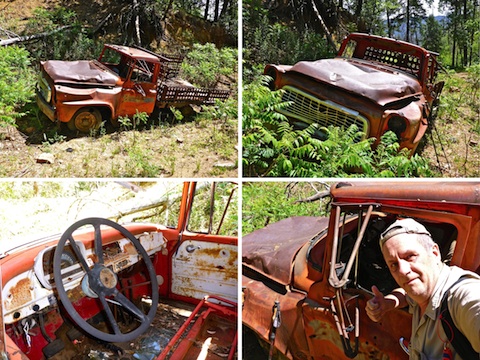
(20, 294)
(271, 250)
(80, 71)
(441, 192)
(361, 79)
(202, 268)
(257, 315)
(377, 341)
(451, 211)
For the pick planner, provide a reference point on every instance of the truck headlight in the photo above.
(397, 124)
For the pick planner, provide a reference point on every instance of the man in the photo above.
(415, 263)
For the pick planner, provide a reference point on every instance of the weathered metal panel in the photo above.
(205, 268)
(271, 250)
(382, 87)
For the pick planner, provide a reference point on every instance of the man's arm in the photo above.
(380, 304)
(465, 310)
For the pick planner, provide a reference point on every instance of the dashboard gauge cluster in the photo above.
(70, 265)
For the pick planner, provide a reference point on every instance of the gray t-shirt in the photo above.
(428, 338)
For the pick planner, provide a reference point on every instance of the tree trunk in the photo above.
(20, 39)
(389, 24)
(454, 45)
(217, 10)
(465, 47)
(169, 6)
(207, 7)
(137, 23)
(225, 9)
(407, 33)
(324, 26)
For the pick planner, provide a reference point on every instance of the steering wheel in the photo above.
(101, 281)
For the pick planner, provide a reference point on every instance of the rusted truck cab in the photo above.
(375, 83)
(306, 280)
(83, 93)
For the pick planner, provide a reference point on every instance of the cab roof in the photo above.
(133, 52)
(441, 193)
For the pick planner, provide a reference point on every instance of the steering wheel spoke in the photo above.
(111, 319)
(98, 244)
(79, 255)
(127, 304)
(101, 282)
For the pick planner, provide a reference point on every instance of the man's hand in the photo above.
(376, 306)
(379, 304)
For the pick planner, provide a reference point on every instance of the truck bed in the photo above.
(178, 93)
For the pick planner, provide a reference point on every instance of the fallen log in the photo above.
(21, 39)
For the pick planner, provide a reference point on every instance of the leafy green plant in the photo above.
(258, 209)
(205, 64)
(71, 41)
(278, 43)
(16, 83)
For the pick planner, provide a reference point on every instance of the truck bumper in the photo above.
(45, 107)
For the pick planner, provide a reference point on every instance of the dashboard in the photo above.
(34, 289)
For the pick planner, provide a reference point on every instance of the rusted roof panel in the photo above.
(382, 87)
(418, 191)
(134, 52)
(271, 250)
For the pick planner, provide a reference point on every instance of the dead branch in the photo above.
(318, 196)
(102, 24)
(10, 34)
(27, 38)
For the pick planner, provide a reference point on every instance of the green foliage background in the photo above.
(268, 202)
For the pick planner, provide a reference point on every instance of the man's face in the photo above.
(413, 267)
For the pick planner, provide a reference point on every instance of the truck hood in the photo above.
(83, 71)
(381, 86)
(271, 251)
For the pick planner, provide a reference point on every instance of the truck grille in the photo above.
(310, 109)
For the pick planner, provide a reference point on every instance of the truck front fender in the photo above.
(66, 110)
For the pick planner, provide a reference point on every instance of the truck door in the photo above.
(336, 320)
(139, 89)
(205, 260)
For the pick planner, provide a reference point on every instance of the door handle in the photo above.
(191, 248)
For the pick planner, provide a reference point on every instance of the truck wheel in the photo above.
(86, 119)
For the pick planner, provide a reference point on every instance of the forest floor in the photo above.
(452, 144)
(184, 150)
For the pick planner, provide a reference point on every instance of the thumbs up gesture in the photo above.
(376, 306)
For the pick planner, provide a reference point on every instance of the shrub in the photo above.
(205, 64)
(16, 83)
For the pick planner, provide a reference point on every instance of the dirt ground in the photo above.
(184, 150)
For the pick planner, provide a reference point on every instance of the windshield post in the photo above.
(333, 277)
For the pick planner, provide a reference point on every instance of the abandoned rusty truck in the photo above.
(123, 81)
(306, 280)
(375, 83)
(100, 290)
